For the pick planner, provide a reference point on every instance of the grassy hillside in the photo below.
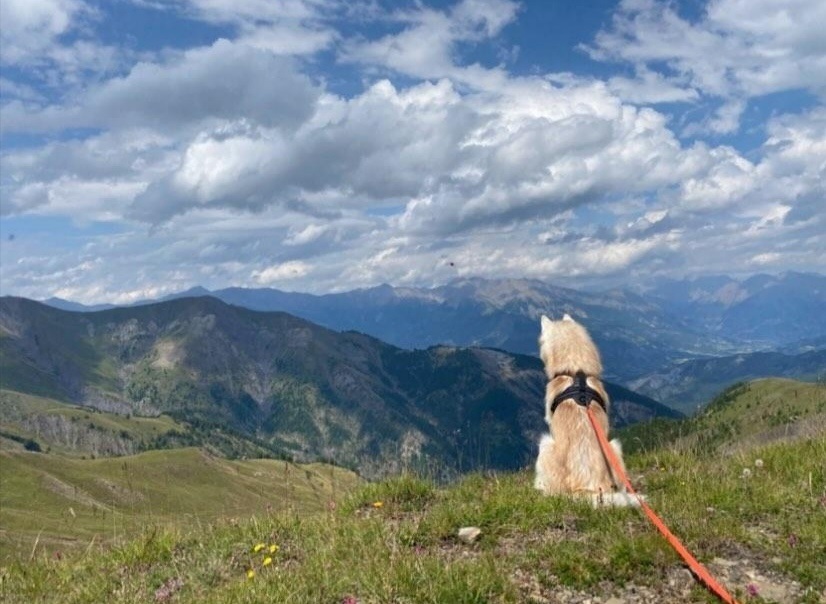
(79, 431)
(744, 415)
(62, 502)
(396, 541)
(755, 514)
(50, 425)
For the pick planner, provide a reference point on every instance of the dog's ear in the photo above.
(567, 317)
(547, 324)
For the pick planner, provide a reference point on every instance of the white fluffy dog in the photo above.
(570, 460)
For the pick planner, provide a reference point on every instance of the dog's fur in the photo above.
(570, 460)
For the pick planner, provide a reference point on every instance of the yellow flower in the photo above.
(273, 549)
(250, 574)
(378, 504)
(267, 561)
(258, 547)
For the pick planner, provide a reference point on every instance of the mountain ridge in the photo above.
(640, 331)
(305, 391)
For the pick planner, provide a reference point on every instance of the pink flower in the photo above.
(792, 540)
(751, 589)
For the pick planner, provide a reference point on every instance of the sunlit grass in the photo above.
(406, 549)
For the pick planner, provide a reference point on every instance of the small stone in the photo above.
(469, 534)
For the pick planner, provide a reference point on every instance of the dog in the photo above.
(570, 460)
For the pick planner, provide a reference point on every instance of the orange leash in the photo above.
(698, 569)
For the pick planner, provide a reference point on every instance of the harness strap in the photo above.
(580, 392)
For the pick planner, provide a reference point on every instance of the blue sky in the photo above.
(320, 145)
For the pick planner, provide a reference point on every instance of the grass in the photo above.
(742, 416)
(182, 526)
(66, 503)
(405, 549)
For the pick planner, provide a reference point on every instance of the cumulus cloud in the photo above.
(736, 50)
(425, 47)
(294, 27)
(277, 273)
(51, 40)
(231, 163)
(649, 87)
(454, 161)
(31, 27)
(223, 81)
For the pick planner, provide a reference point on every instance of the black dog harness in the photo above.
(580, 392)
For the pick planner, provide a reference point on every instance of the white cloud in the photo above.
(52, 39)
(223, 81)
(282, 27)
(227, 164)
(766, 258)
(307, 234)
(286, 271)
(31, 27)
(246, 11)
(425, 48)
(736, 50)
(289, 39)
(649, 87)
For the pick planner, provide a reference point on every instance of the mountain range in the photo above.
(275, 382)
(642, 331)
(768, 310)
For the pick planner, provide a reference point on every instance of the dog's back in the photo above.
(570, 458)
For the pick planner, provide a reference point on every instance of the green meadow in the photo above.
(183, 526)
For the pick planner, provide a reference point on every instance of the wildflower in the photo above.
(758, 463)
(250, 574)
(349, 600)
(258, 547)
(273, 549)
(751, 589)
(267, 561)
(378, 504)
(792, 540)
(746, 473)
(165, 592)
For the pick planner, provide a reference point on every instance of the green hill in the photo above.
(689, 384)
(753, 509)
(763, 535)
(744, 415)
(62, 503)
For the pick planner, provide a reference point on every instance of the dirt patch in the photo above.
(120, 493)
(64, 489)
(167, 355)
